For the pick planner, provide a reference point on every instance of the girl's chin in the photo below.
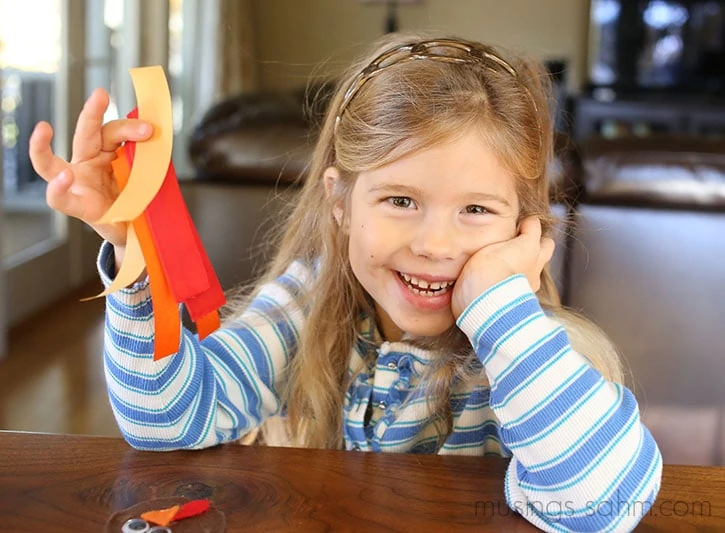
(425, 330)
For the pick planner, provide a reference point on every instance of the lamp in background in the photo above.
(391, 19)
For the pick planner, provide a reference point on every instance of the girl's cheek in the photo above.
(488, 236)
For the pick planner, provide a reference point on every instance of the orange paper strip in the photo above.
(167, 324)
(208, 324)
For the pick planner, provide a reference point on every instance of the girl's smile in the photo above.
(426, 292)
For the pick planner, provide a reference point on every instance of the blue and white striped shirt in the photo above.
(580, 458)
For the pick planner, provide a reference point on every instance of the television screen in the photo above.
(675, 46)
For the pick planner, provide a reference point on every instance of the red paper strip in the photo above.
(192, 508)
(211, 299)
(171, 227)
(188, 269)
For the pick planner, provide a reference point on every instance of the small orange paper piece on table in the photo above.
(161, 235)
(162, 517)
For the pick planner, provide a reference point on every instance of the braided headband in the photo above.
(417, 51)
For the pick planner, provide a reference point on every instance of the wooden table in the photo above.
(63, 483)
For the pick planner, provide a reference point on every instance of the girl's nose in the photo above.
(435, 239)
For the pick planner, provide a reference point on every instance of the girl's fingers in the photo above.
(44, 161)
(531, 227)
(547, 251)
(87, 140)
(59, 197)
(62, 194)
(118, 131)
(106, 158)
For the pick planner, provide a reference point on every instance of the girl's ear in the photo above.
(331, 178)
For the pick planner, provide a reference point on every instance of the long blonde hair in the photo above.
(404, 109)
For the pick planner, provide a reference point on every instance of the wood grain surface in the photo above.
(68, 483)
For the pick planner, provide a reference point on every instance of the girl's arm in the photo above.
(211, 391)
(582, 460)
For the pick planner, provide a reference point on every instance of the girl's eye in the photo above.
(477, 210)
(402, 202)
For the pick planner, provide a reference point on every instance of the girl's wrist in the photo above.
(474, 285)
(118, 253)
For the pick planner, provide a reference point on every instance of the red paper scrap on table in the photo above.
(192, 508)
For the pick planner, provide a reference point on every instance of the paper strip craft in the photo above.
(164, 517)
(161, 517)
(161, 235)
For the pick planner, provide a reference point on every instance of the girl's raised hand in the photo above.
(526, 254)
(84, 188)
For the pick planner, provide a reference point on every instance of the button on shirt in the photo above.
(377, 417)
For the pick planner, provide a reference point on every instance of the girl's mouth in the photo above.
(425, 288)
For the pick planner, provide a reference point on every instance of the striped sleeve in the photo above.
(582, 460)
(211, 391)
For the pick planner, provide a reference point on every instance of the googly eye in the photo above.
(136, 525)
(159, 529)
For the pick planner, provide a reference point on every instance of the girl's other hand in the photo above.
(84, 188)
(526, 254)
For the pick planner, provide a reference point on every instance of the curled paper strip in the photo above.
(154, 104)
(161, 235)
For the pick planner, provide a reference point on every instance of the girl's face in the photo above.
(413, 224)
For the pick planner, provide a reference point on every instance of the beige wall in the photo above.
(295, 36)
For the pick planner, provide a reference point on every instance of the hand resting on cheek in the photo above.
(526, 254)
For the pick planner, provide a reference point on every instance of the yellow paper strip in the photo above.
(152, 157)
(131, 269)
(133, 262)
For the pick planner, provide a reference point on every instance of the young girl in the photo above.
(409, 307)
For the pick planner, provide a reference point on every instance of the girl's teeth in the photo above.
(423, 286)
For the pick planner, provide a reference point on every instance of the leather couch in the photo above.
(647, 263)
(640, 248)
